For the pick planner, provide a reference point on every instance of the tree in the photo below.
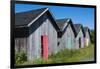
(92, 35)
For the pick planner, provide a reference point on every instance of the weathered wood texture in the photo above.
(68, 39)
(21, 44)
(87, 38)
(79, 40)
(34, 48)
(29, 39)
(32, 44)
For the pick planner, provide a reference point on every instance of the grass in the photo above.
(83, 54)
(74, 55)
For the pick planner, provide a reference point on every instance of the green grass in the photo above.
(73, 55)
(83, 54)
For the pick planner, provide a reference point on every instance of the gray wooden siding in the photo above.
(34, 48)
(64, 41)
(87, 37)
(20, 44)
(80, 35)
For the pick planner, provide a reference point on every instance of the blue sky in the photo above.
(85, 16)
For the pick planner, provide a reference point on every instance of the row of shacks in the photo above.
(38, 34)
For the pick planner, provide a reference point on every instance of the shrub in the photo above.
(20, 57)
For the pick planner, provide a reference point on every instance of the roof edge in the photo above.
(54, 19)
(37, 17)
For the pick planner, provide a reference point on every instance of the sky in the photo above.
(84, 16)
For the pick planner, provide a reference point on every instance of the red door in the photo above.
(44, 40)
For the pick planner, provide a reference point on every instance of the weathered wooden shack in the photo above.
(66, 34)
(87, 36)
(36, 33)
(79, 43)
